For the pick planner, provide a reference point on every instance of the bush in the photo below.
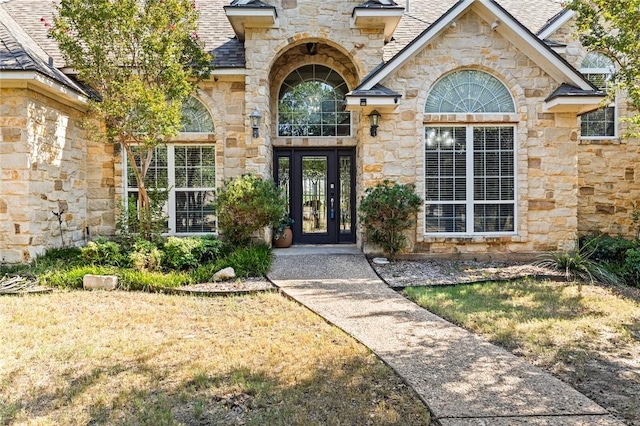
(631, 267)
(609, 249)
(247, 204)
(103, 252)
(189, 252)
(386, 210)
(145, 256)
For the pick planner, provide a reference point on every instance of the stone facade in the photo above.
(608, 169)
(44, 173)
(565, 186)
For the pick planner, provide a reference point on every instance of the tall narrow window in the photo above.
(470, 176)
(311, 103)
(599, 124)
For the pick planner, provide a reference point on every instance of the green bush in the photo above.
(103, 252)
(631, 267)
(247, 204)
(145, 256)
(189, 252)
(386, 210)
(609, 249)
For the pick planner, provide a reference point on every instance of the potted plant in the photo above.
(282, 234)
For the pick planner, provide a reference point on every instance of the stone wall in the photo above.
(608, 169)
(43, 170)
(547, 143)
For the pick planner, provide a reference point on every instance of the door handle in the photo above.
(332, 212)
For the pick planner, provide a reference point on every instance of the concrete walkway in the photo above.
(463, 379)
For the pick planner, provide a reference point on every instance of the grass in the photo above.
(587, 335)
(79, 358)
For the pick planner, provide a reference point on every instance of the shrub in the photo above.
(609, 249)
(145, 256)
(247, 204)
(181, 253)
(103, 252)
(386, 210)
(631, 267)
(579, 264)
(189, 252)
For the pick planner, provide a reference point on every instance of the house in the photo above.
(491, 109)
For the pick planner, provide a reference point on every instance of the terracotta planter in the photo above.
(285, 240)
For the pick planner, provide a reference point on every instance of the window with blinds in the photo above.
(599, 124)
(188, 174)
(470, 179)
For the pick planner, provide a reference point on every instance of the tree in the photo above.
(611, 27)
(143, 58)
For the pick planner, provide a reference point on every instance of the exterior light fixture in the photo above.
(255, 118)
(363, 101)
(374, 119)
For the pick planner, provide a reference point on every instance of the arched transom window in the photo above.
(196, 117)
(469, 91)
(310, 103)
(470, 168)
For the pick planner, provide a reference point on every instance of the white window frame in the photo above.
(169, 208)
(607, 72)
(470, 202)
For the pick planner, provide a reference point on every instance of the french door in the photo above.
(320, 189)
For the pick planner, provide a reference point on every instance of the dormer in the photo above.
(378, 14)
(250, 13)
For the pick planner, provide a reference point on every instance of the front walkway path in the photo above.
(463, 379)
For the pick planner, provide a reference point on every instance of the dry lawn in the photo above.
(587, 335)
(78, 358)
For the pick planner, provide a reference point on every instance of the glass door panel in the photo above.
(345, 193)
(314, 194)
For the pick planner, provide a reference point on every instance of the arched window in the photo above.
(470, 169)
(599, 124)
(310, 103)
(469, 91)
(196, 117)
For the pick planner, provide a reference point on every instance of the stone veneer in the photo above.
(608, 169)
(547, 143)
(44, 170)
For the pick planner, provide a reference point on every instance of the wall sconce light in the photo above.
(374, 119)
(255, 118)
(363, 101)
(495, 25)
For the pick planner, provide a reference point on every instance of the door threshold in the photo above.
(304, 249)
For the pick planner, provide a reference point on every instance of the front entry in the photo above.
(320, 188)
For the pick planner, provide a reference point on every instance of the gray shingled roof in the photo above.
(19, 52)
(218, 36)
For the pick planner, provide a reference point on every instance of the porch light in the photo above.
(255, 118)
(374, 119)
